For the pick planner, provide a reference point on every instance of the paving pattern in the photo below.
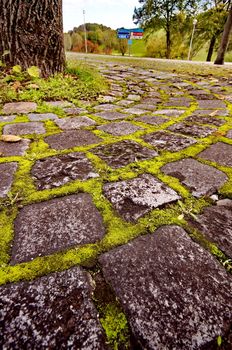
(135, 186)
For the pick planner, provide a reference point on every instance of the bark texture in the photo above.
(225, 39)
(211, 48)
(32, 31)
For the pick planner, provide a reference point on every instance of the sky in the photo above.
(112, 13)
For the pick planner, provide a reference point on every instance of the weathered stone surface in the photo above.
(7, 118)
(24, 128)
(216, 224)
(14, 148)
(178, 101)
(175, 113)
(70, 139)
(60, 104)
(134, 110)
(146, 106)
(108, 99)
(111, 115)
(205, 120)
(56, 171)
(175, 294)
(7, 171)
(209, 112)
(120, 128)
(43, 116)
(201, 179)
(170, 142)
(50, 226)
(220, 153)
(124, 103)
(229, 134)
(74, 122)
(106, 107)
(213, 104)
(74, 110)
(135, 198)
(123, 153)
(52, 312)
(134, 97)
(152, 120)
(192, 130)
(19, 107)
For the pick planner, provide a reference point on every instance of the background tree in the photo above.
(158, 14)
(123, 46)
(67, 42)
(225, 37)
(32, 33)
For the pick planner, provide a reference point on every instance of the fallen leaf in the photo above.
(214, 113)
(10, 138)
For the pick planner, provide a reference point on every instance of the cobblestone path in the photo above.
(116, 217)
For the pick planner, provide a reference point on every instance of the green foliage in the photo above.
(67, 42)
(33, 72)
(123, 46)
(17, 69)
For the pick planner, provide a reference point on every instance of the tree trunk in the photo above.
(32, 32)
(168, 42)
(211, 48)
(225, 39)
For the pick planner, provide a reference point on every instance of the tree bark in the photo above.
(32, 32)
(225, 39)
(168, 42)
(211, 48)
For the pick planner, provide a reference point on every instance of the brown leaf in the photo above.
(10, 138)
(213, 113)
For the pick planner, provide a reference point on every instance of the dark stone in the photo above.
(123, 153)
(56, 171)
(220, 153)
(38, 117)
(8, 149)
(200, 179)
(178, 102)
(213, 104)
(192, 130)
(152, 120)
(174, 293)
(135, 198)
(54, 225)
(52, 312)
(7, 118)
(216, 224)
(19, 107)
(24, 128)
(74, 122)
(120, 128)
(175, 113)
(70, 139)
(111, 115)
(7, 171)
(169, 142)
(205, 120)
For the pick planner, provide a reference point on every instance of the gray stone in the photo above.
(178, 102)
(152, 120)
(151, 100)
(70, 139)
(38, 117)
(60, 104)
(8, 149)
(134, 198)
(74, 122)
(19, 107)
(174, 293)
(24, 128)
(200, 179)
(134, 97)
(175, 113)
(125, 103)
(74, 110)
(135, 111)
(7, 118)
(169, 142)
(120, 128)
(108, 99)
(123, 153)
(211, 104)
(192, 130)
(106, 107)
(54, 225)
(205, 120)
(56, 171)
(7, 171)
(216, 224)
(52, 312)
(229, 134)
(145, 106)
(209, 112)
(111, 115)
(220, 153)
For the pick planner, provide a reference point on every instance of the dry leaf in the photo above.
(10, 138)
(214, 113)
